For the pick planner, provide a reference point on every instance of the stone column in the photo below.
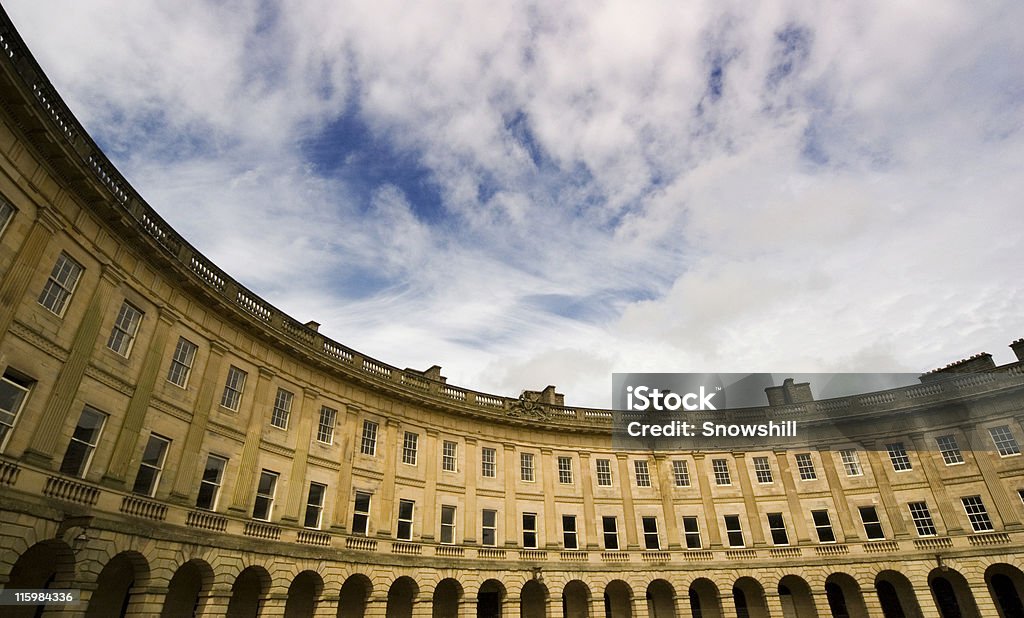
(626, 483)
(510, 606)
(773, 602)
(15, 283)
(423, 606)
(246, 479)
(980, 591)
(589, 515)
(851, 530)
(391, 449)
(749, 503)
(135, 416)
(43, 443)
(467, 606)
(307, 409)
(682, 603)
(925, 601)
(881, 476)
(710, 513)
(183, 480)
(947, 512)
(547, 470)
(996, 487)
(639, 603)
(469, 473)
(792, 498)
(430, 487)
(377, 605)
(348, 435)
(511, 529)
(215, 604)
(663, 477)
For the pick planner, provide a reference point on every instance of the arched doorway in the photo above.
(248, 592)
(126, 573)
(303, 595)
(490, 598)
(618, 600)
(533, 600)
(844, 596)
(401, 596)
(705, 600)
(48, 564)
(748, 595)
(576, 600)
(1006, 585)
(661, 599)
(952, 594)
(795, 597)
(186, 589)
(447, 594)
(354, 594)
(896, 595)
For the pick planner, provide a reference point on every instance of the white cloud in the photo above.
(842, 198)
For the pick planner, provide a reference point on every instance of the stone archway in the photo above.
(896, 595)
(447, 597)
(354, 594)
(1006, 585)
(120, 578)
(576, 600)
(490, 599)
(844, 596)
(705, 599)
(248, 592)
(796, 598)
(401, 597)
(303, 595)
(185, 592)
(661, 599)
(618, 600)
(47, 564)
(533, 600)
(952, 594)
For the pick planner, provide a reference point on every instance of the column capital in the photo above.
(310, 393)
(218, 347)
(266, 372)
(167, 315)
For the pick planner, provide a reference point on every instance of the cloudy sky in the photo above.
(544, 193)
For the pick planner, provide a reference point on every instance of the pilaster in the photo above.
(183, 481)
(246, 479)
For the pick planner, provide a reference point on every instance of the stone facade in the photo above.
(173, 444)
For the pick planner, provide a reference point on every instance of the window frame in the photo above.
(899, 457)
(763, 471)
(604, 477)
(361, 516)
(526, 468)
(872, 529)
(692, 534)
(449, 456)
(157, 468)
(950, 451)
(649, 534)
(7, 213)
(921, 515)
(268, 498)
(851, 462)
(234, 387)
(216, 485)
(805, 467)
(410, 448)
(318, 508)
(122, 336)
(1006, 443)
(641, 473)
(89, 448)
(493, 527)
(737, 531)
(325, 425)
(568, 534)
(614, 532)
(405, 523)
(720, 471)
(777, 529)
(448, 528)
(25, 388)
(827, 526)
(58, 279)
(181, 368)
(565, 470)
(978, 517)
(282, 411)
(368, 438)
(488, 469)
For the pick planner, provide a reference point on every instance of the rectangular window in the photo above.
(83, 443)
(409, 445)
(126, 326)
(361, 514)
(325, 428)
(405, 511)
(181, 362)
(526, 466)
(651, 540)
(209, 487)
(565, 470)
(233, 387)
(762, 470)
(950, 450)
(570, 540)
(447, 524)
(489, 532)
(823, 525)
(976, 512)
(264, 507)
(642, 473)
(151, 466)
(61, 284)
(721, 469)
(777, 526)
(805, 466)
(898, 456)
(487, 465)
(691, 530)
(1004, 441)
(530, 530)
(13, 394)
(368, 445)
(680, 473)
(733, 530)
(449, 456)
(611, 532)
(922, 519)
(872, 526)
(6, 214)
(315, 505)
(851, 462)
(604, 473)
(282, 409)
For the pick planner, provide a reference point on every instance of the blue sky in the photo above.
(544, 193)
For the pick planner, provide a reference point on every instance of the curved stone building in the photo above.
(171, 444)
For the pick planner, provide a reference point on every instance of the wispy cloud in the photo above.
(535, 193)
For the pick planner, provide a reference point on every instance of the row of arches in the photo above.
(123, 588)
